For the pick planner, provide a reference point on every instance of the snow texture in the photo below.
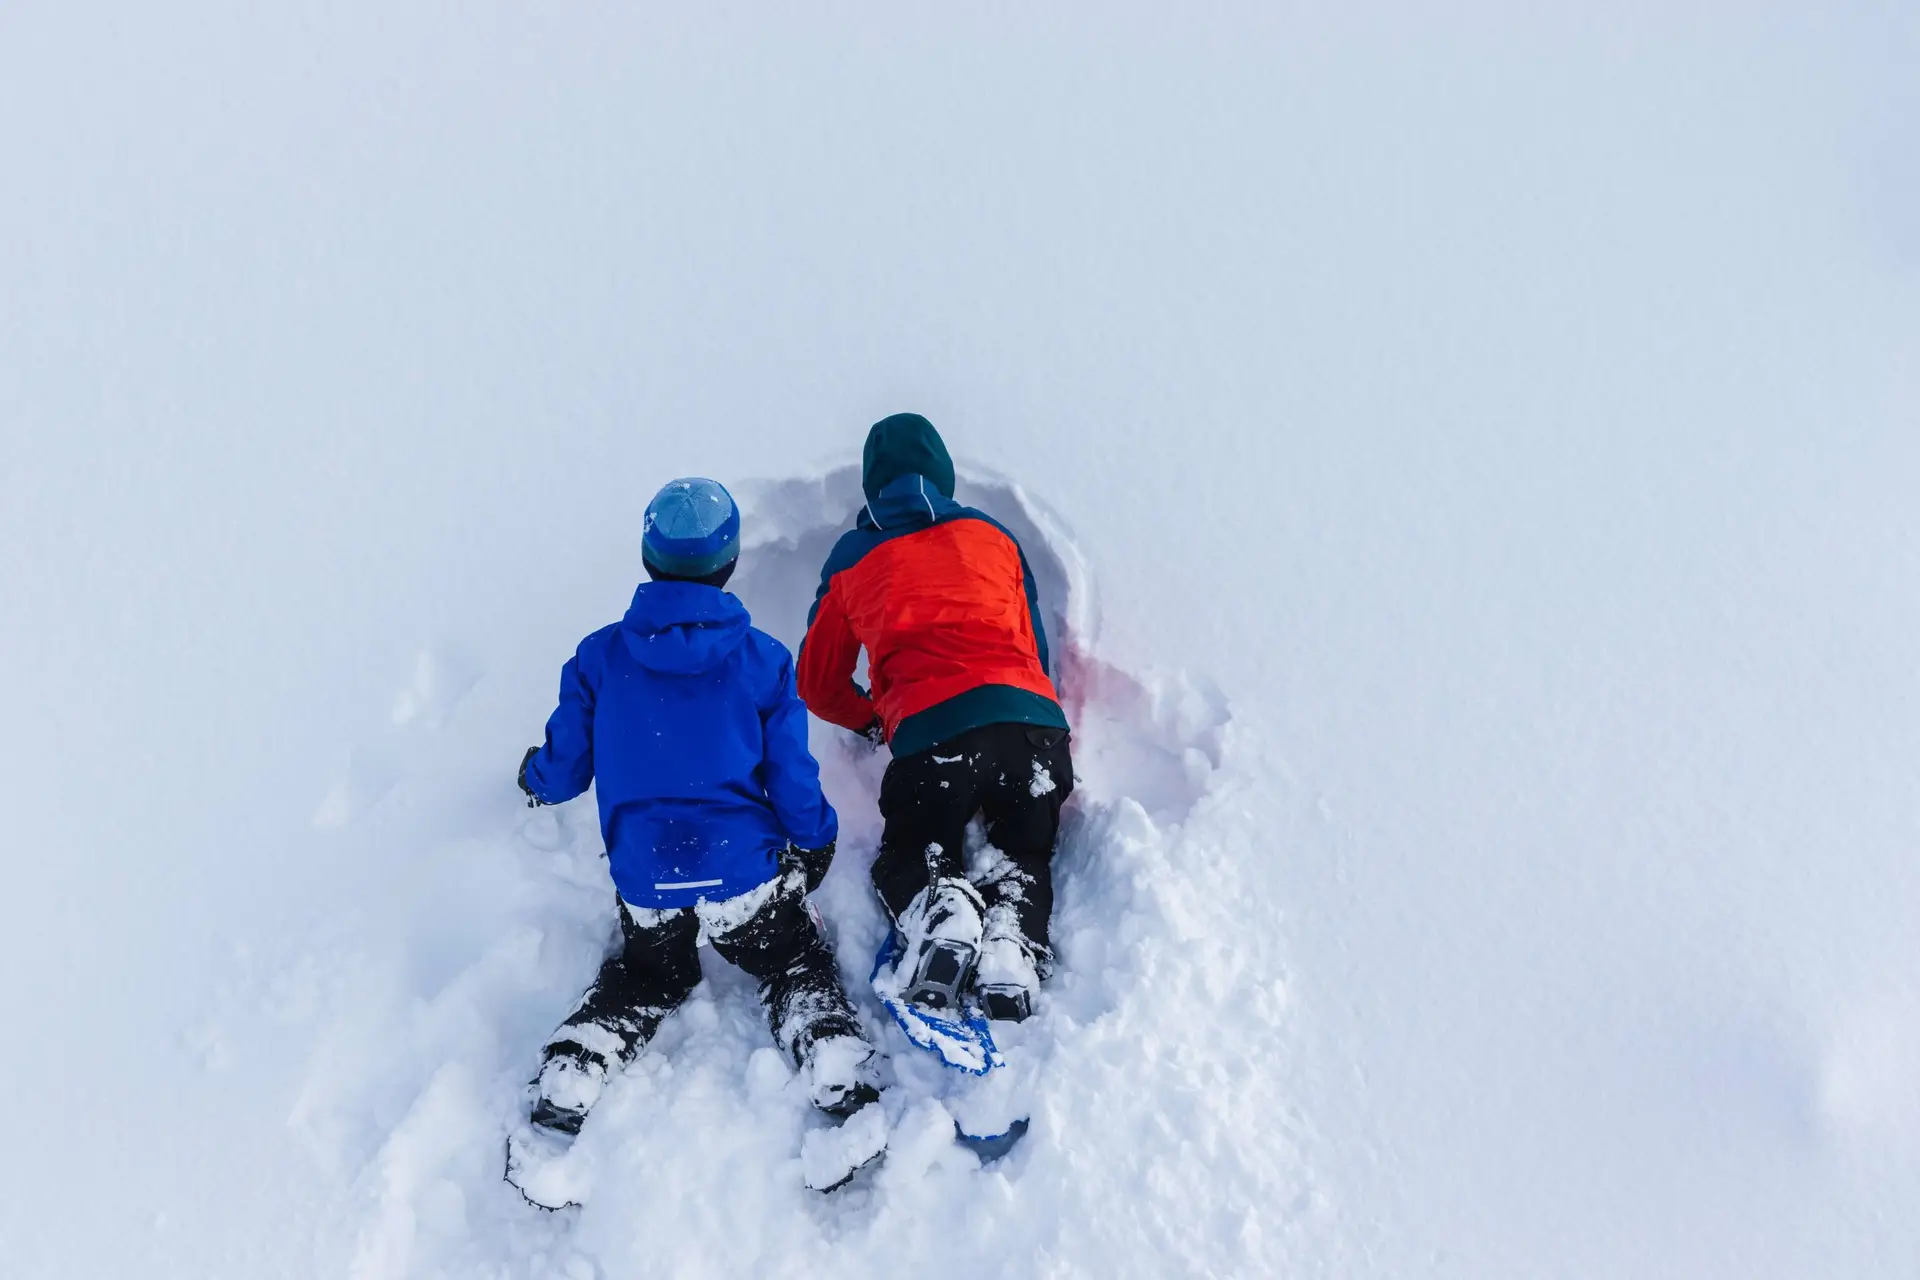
(698, 1157)
(829, 1156)
(540, 1167)
(835, 1065)
(1490, 433)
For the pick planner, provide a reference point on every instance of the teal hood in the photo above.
(904, 445)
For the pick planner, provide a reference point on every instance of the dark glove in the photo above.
(533, 801)
(815, 863)
(876, 733)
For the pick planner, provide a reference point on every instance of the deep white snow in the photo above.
(1469, 459)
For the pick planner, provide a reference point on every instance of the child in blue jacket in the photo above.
(686, 718)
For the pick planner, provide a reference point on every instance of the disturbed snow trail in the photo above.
(1164, 1137)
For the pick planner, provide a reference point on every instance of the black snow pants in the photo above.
(658, 966)
(1018, 775)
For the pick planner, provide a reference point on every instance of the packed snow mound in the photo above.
(1163, 1140)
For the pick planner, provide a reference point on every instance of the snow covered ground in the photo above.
(1470, 461)
(1163, 1043)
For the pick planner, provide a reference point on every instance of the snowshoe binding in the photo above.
(942, 931)
(960, 1038)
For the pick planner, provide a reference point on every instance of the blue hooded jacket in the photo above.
(686, 717)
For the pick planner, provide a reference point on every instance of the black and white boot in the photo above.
(841, 1074)
(1007, 975)
(843, 1082)
(940, 936)
(572, 1078)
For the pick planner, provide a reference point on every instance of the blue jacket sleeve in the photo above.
(789, 771)
(563, 767)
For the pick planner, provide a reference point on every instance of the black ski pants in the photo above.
(1018, 775)
(657, 967)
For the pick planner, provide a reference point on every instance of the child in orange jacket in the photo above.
(943, 601)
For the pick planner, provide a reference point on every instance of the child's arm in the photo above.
(791, 773)
(828, 656)
(563, 767)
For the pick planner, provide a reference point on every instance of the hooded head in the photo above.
(692, 532)
(904, 445)
(680, 627)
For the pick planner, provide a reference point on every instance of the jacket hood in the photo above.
(911, 502)
(681, 628)
(904, 445)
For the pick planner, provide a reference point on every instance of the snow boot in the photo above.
(841, 1075)
(941, 931)
(574, 1075)
(831, 1156)
(844, 1086)
(571, 1080)
(1007, 974)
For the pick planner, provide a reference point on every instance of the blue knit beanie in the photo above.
(693, 529)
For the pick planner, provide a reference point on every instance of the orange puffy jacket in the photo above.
(942, 599)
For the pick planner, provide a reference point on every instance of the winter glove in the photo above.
(533, 801)
(876, 733)
(815, 863)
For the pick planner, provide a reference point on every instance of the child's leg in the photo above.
(920, 873)
(807, 1007)
(656, 968)
(925, 802)
(1022, 804)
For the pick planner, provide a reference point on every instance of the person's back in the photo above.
(943, 601)
(940, 596)
(697, 747)
(686, 721)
